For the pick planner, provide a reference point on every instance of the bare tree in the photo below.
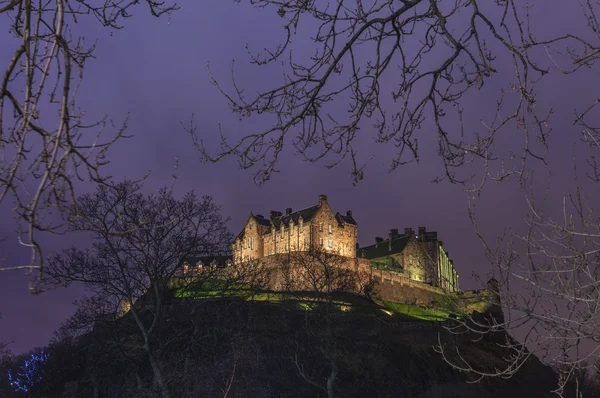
(549, 268)
(433, 55)
(317, 277)
(549, 292)
(47, 146)
(139, 243)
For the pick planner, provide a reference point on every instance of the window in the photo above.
(330, 243)
(321, 242)
(286, 247)
(252, 243)
(321, 227)
(330, 230)
(301, 222)
(282, 230)
(291, 229)
(349, 233)
(273, 234)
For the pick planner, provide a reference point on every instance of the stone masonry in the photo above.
(315, 226)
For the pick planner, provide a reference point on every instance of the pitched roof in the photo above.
(383, 249)
(345, 219)
(306, 214)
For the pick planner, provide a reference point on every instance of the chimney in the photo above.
(433, 235)
(393, 234)
(422, 232)
(378, 240)
(408, 232)
(322, 199)
(349, 213)
(288, 211)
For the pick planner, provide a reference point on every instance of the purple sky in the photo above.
(157, 71)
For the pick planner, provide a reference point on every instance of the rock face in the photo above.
(280, 350)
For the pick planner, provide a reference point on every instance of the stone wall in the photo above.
(328, 235)
(296, 272)
(322, 232)
(392, 286)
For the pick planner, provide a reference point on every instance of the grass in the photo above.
(413, 311)
(207, 289)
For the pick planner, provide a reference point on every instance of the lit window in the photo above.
(291, 228)
(252, 243)
(321, 242)
(321, 227)
(330, 229)
(301, 222)
(330, 243)
(282, 230)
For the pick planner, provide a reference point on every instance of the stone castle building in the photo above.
(419, 257)
(315, 226)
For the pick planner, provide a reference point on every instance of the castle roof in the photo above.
(306, 214)
(382, 248)
(277, 219)
(345, 219)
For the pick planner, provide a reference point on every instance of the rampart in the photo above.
(288, 272)
(393, 286)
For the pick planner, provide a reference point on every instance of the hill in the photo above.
(274, 345)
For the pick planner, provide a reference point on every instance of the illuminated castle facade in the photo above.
(420, 257)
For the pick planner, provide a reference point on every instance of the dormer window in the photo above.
(291, 228)
(282, 230)
(301, 225)
(273, 234)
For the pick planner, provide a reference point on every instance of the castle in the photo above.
(418, 257)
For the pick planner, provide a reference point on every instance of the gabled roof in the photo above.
(383, 249)
(306, 214)
(345, 219)
(260, 220)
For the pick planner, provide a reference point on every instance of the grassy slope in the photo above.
(308, 301)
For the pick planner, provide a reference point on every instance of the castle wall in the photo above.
(392, 286)
(322, 231)
(251, 245)
(328, 235)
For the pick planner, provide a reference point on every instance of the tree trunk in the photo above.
(331, 379)
(158, 378)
